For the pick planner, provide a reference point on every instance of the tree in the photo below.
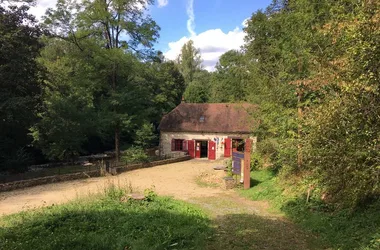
(109, 34)
(198, 91)
(229, 82)
(20, 85)
(145, 136)
(341, 146)
(68, 115)
(189, 61)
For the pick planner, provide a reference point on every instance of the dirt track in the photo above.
(177, 180)
(233, 216)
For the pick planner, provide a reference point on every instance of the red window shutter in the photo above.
(173, 145)
(184, 145)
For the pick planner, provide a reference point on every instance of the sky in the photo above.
(215, 26)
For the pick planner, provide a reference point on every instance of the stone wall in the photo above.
(46, 180)
(83, 175)
(119, 170)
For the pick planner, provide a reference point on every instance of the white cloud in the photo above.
(39, 8)
(162, 3)
(245, 22)
(191, 20)
(212, 44)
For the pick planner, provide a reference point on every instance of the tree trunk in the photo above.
(117, 145)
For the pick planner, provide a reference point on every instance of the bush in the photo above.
(134, 155)
(257, 161)
(228, 164)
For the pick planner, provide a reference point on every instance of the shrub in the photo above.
(256, 161)
(228, 164)
(134, 155)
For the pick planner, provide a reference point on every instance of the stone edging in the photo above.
(83, 175)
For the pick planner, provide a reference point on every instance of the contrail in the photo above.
(191, 20)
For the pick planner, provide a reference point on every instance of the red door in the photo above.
(227, 147)
(211, 150)
(191, 148)
(197, 149)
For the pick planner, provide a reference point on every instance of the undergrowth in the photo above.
(342, 229)
(106, 222)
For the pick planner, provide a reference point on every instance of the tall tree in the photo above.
(189, 61)
(110, 33)
(229, 82)
(198, 91)
(20, 85)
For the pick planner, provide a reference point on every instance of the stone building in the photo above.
(206, 130)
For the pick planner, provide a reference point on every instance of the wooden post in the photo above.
(247, 164)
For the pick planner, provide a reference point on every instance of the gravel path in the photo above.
(177, 180)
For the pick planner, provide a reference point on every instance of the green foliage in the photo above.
(145, 136)
(344, 229)
(189, 61)
(20, 85)
(101, 75)
(134, 155)
(341, 145)
(264, 187)
(312, 70)
(228, 164)
(198, 91)
(256, 161)
(229, 82)
(108, 223)
(107, 35)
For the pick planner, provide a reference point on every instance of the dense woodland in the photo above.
(87, 79)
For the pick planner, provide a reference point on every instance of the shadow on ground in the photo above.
(249, 231)
(239, 223)
(342, 229)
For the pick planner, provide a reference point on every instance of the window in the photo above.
(177, 144)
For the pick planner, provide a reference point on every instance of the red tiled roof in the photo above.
(218, 117)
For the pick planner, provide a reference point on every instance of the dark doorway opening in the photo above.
(238, 145)
(204, 149)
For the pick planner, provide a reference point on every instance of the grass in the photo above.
(107, 223)
(254, 232)
(338, 230)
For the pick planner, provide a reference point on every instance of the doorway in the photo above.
(201, 150)
(204, 149)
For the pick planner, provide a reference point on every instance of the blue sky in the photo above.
(215, 26)
(209, 14)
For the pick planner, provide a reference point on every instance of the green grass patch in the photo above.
(338, 230)
(108, 223)
(264, 187)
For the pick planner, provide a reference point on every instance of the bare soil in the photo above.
(177, 180)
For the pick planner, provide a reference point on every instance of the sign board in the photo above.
(236, 162)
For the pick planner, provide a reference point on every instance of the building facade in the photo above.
(212, 130)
